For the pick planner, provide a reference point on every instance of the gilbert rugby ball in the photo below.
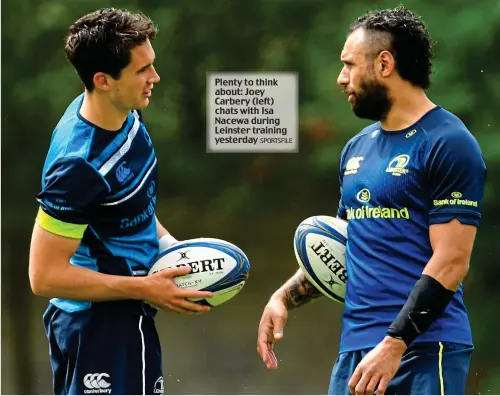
(217, 266)
(319, 244)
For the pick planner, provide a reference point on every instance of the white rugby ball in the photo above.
(319, 244)
(217, 266)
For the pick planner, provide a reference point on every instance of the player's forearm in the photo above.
(431, 294)
(447, 268)
(81, 284)
(160, 230)
(297, 291)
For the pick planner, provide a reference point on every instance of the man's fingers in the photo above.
(265, 349)
(176, 271)
(372, 385)
(192, 306)
(278, 323)
(187, 293)
(263, 345)
(353, 382)
(382, 386)
(273, 361)
(179, 310)
(360, 388)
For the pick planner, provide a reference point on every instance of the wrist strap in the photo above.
(426, 302)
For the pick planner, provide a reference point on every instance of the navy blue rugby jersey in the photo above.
(394, 185)
(100, 186)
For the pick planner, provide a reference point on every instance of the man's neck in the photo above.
(408, 106)
(99, 111)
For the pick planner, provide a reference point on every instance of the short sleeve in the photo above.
(69, 189)
(456, 175)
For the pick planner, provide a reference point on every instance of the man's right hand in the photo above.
(271, 329)
(163, 293)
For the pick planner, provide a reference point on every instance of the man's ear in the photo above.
(102, 81)
(385, 63)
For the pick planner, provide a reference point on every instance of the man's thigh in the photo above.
(427, 368)
(437, 368)
(104, 354)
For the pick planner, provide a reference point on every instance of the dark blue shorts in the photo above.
(434, 368)
(103, 353)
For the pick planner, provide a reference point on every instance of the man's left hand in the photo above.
(377, 368)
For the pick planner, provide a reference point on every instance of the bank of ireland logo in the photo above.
(363, 195)
(151, 189)
(158, 386)
(456, 195)
(123, 173)
(353, 165)
(397, 166)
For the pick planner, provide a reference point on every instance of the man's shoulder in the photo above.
(71, 139)
(442, 122)
(443, 126)
(368, 132)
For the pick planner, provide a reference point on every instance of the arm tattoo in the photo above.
(300, 291)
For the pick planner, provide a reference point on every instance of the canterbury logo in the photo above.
(97, 383)
(353, 165)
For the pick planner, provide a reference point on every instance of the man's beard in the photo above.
(372, 101)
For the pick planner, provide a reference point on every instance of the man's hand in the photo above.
(377, 368)
(270, 330)
(163, 293)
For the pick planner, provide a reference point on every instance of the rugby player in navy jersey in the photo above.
(96, 231)
(412, 188)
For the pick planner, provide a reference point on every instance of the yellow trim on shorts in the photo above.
(441, 379)
(58, 227)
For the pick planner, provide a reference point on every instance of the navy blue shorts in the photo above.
(103, 353)
(434, 368)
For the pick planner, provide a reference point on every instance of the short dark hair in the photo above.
(405, 35)
(101, 42)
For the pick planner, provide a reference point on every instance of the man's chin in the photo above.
(142, 104)
(365, 116)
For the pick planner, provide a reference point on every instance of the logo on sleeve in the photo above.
(123, 173)
(353, 165)
(398, 165)
(456, 199)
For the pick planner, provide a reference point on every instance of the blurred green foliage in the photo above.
(254, 200)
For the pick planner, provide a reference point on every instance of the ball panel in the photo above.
(217, 266)
(319, 246)
(208, 265)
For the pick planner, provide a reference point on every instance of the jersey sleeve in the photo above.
(456, 175)
(69, 189)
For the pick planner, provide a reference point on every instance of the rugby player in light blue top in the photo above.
(96, 233)
(412, 188)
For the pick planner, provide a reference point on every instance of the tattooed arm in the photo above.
(298, 291)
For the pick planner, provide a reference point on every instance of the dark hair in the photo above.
(405, 35)
(101, 42)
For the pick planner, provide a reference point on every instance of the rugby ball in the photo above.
(217, 266)
(320, 244)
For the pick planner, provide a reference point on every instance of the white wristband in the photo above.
(166, 241)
